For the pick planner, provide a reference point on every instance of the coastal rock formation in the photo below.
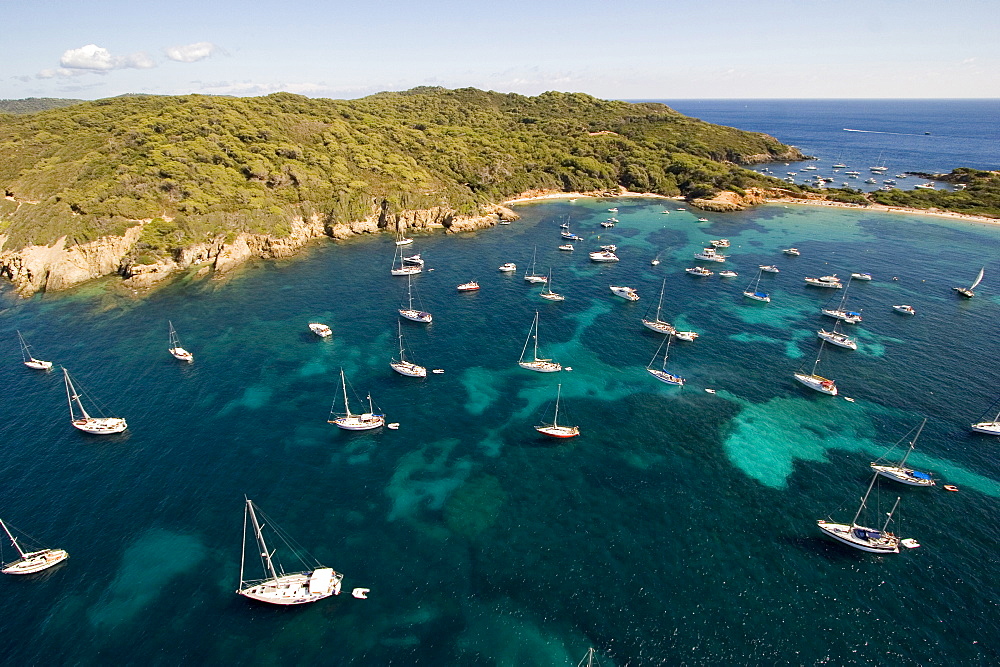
(732, 201)
(50, 268)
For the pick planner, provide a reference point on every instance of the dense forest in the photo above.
(33, 104)
(201, 166)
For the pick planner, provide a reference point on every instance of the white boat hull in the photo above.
(35, 561)
(989, 428)
(552, 296)
(406, 271)
(869, 540)
(181, 354)
(666, 377)
(820, 384)
(538, 280)
(540, 366)
(415, 315)
(842, 315)
(291, 589)
(840, 340)
(823, 283)
(408, 369)
(364, 422)
(404, 241)
(625, 293)
(101, 425)
(659, 326)
(757, 296)
(559, 431)
(689, 336)
(38, 364)
(902, 475)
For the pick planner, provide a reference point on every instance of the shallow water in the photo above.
(679, 528)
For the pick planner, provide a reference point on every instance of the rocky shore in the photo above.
(60, 266)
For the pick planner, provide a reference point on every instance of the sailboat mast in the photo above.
(535, 337)
(555, 418)
(659, 304)
(12, 540)
(666, 353)
(913, 442)
(854, 521)
(25, 353)
(71, 396)
(260, 540)
(343, 383)
(889, 517)
(243, 549)
(409, 289)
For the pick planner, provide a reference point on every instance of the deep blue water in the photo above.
(678, 529)
(962, 133)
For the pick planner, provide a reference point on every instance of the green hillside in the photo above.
(206, 165)
(33, 104)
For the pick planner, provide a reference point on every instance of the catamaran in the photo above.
(355, 422)
(31, 562)
(554, 430)
(277, 587)
(656, 324)
(530, 275)
(410, 312)
(547, 292)
(29, 360)
(837, 338)
(818, 382)
(86, 423)
(967, 291)
(755, 292)
(900, 472)
(878, 541)
(175, 348)
(661, 373)
(404, 367)
(536, 363)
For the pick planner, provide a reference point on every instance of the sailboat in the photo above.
(988, 427)
(547, 292)
(278, 587)
(861, 537)
(554, 429)
(840, 312)
(837, 337)
(661, 373)
(355, 422)
(756, 293)
(900, 472)
(403, 269)
(404, 367)
(175, 345)
(29, 360)
(656, 324)
(401, 238)
(31, 561)
(536, 364)
(967, 291)
(529, 275)
(409, 312)
(86, 423)
(818, 382)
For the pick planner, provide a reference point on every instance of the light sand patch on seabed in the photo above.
(886, 209)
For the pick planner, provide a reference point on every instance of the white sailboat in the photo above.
(401, 238)
(31, 562)
(529, 275)
(355, 422)
(410, 312)
(900, 472)
(86, 423)
(840, 312)
(837, 338)
(554, 430)
(661, 373)
(967, 291)
(656, 324)
(818, 382)
(175, 348)
(988, 427)
(404, 367)
(756, 293)
(29, 360)
(547, 292)
(277, 587)
(403, 269)
(536, 363)
(878, 541)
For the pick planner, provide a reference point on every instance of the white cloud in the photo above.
(60, 72)
(189, 53)
(95, 58)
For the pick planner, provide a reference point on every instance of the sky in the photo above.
(639, 49)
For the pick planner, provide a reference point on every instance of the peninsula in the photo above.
(148, 186)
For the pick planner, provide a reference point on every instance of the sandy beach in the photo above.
(543, 195)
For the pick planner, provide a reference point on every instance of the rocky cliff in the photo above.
(58, 266)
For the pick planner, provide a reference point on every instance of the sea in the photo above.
(679, 528)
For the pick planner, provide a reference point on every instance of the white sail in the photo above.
(978, 279)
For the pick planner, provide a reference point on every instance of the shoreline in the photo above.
(526, 198)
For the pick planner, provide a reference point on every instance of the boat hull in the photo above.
(817, 383)
(359, 422)
(902, 475)
(36, 561)
(689, 336)
(39, 365)
(415, 315)
(536, 279)
(101, 425)
(291, 589)
(885, 543)
(406, 271)
(559, 431)
(665, 377)
(845, 316)
(540, 366)
(181, 354)
(964, 291)
(408, 369)
(552, 296)
(659, 326)
(989, 428)
(757, 296)
(837, 339)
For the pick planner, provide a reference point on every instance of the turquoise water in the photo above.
(679, 528)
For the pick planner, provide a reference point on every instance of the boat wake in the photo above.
(901, 134)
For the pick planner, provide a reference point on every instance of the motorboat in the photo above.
(688, 336)
(567, 246)
(625, 292)
(861, 276)
(710, 255)
(470, 286)
(831, 282)
(904, 309)
(509, 267)
(792, 251)
(603, 256)
(769, 268)
(699, 271)
(719, 243)
(728, 274)
(321, 330)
